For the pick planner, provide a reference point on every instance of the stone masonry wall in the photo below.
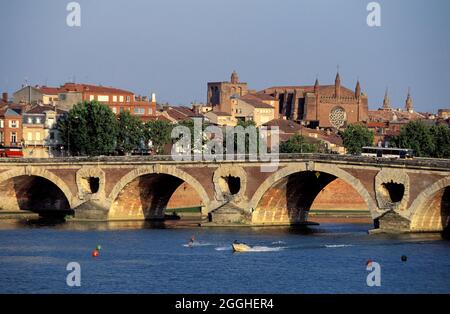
(339, 195)
(184, 196)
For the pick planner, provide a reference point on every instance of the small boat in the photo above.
(240, 247)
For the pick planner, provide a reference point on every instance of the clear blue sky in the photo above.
(173, 47)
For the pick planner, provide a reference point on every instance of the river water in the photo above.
(330, 258)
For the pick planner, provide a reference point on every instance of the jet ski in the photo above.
(240, 247)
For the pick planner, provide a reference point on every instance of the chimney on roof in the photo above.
(5, 96)
(197, 108)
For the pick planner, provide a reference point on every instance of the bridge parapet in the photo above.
(414, 163)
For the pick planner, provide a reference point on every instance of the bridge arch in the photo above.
(38, 172)
(430, 211)
(330, 170)
(171, 173)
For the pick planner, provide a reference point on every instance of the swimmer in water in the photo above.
(191, 242)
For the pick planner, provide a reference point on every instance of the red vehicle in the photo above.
(11, 152)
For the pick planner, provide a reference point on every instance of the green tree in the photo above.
(297, 144)
(90, 128)
(441, 138)
(417, 136)
(246, 124)
(355, 137)
(130, 134)
(158, 132)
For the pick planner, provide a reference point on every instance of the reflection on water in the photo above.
(142, 256)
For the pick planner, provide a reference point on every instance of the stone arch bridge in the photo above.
(401, 195)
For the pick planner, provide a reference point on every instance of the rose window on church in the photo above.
(337, 117)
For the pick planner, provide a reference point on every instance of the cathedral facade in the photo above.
(324, 106)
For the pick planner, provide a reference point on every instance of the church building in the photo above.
(324, 106)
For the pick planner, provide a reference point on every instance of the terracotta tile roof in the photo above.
(303, 87)
(12, 109)
(48, 90)
(307, 134)
(373, 124)
(155, 118)
(285, 126)
(185, 110)
(257, 103)
(72, 87)
(323, 135)
(39, 109)
(259, 96)
(324, 90)
(393, 115)
(181, 113)
(283, 137)
(220, 113)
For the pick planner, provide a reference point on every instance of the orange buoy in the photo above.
(95, 253)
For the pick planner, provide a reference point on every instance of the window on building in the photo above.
(150, 111)
(13, 137)
(122, 109)
(103, 98)
(1, 124)
(120, 98)
(38, 120)
(114, 98)
(52, 135)
(91, 97)
(13, 124)
(114, 109)
(139, 110)
(2, 139)
(38, 136)
(29, 136)
(30, 120)
(128, 98)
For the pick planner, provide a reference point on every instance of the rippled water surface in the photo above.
(330, 258)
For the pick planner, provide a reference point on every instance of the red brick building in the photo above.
(324, 106)
(117, 99)
(10, 127)
(219, 94)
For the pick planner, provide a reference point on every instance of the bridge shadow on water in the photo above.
(327, 229)
(68, 224)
